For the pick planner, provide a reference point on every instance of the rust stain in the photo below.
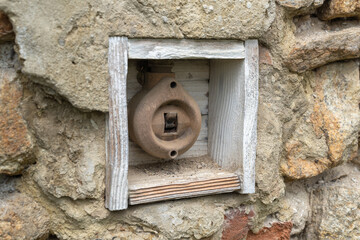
(325, 124)
(14, 138)
(297, 168)
(10, 224)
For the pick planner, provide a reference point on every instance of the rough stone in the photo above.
(8, 58)
(324, 47)
(296, 4)
(301, 119)
(278, 231)
(15, 141)
(268, 148)
(21, 217)
(309, 25)
(357, 159)
(71, 145)
(325, 137)
(295, 207)
(335, 205)
(112, 231)
(300, 6)
(236, 224)
(339, 9)
(179, 220)
(281, 103)
(70, 53)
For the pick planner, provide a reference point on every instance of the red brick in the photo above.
(236, 224)
(278, 231)
(265, 56)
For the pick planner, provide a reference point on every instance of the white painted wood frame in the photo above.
(251, 91)
(240, 105)
(233, 104)
(185, 49)
(117, 139)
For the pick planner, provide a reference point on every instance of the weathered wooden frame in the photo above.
(236, 65)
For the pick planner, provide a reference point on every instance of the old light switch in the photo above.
(164, 120)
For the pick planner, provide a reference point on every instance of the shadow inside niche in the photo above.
(52, 237)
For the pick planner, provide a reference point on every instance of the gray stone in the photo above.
(21, 217)
(300, 7)
(335, 205)
(64, 44)
(339, 9)
(180, 220)
(295, 207)
(282, 102)
(323, 47)
(327, 134)
(71, 153)
(297, 4)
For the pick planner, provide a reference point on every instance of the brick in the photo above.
(265, 56)
(236, 224)
(278, 231)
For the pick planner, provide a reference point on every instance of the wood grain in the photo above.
(185, 49)
(196, 185)
(226, 105)
(250, 115)
(117, 143)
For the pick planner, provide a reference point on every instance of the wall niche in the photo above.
(222, 77)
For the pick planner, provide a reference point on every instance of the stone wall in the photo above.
(53, 100)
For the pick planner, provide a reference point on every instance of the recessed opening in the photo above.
(173, 84)
(214, 79)
(173, 154)
(171, 122)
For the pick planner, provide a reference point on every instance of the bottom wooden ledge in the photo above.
(179, 179)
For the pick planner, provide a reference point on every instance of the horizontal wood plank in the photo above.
(195, 186)
(185, 49)
(179, 179)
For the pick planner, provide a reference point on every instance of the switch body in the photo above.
(164, 120)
